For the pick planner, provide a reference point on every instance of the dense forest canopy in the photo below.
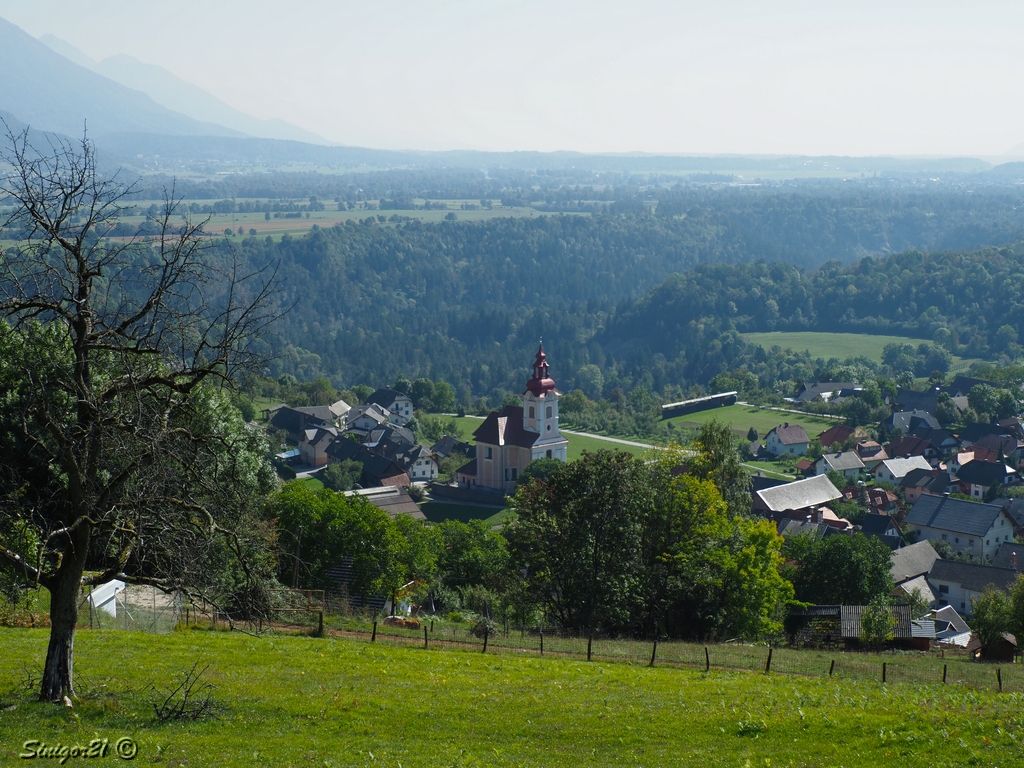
(651, 287)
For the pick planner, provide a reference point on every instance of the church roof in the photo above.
(506, 428)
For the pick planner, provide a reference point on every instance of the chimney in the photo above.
(785, 423)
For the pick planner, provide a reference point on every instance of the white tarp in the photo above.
(104, 597)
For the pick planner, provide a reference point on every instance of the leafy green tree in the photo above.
(877, 623)
(342, 476)
(992, 615)
(121, 456)
(472, 554)
(539, 469)
(843, 570)
(717, 459)
(579, 535)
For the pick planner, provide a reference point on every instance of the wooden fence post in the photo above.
(707, 659)
(425, 646)
(883, 671)
(487, 631)
(654, 652)
(999, 678)
(768, 663)
(542, 641)
(943, 673)
(590, 643)
(373, 636)
(831, 667)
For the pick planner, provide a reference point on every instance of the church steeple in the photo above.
(541, 383)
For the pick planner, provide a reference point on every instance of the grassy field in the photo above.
(839, 345)
(577, 443)
(275, 228)
(742, 417)
(291, 701)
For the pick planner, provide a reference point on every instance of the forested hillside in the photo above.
(467, 302)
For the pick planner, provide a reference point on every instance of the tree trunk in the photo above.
(65, 587)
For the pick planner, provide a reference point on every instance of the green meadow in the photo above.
(838, 345)
(301, 701)
(741, 418)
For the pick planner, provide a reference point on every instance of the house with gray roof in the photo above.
(398, 404)
(980, 476)
(799, 496)
(969, 527)
(912, 561)
(847, 463)
(958, 583)
(894, 470)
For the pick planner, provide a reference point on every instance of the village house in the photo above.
(894, 470)
(796, 499)
(978, 477)
(837, 435)
(510, 439)
(906, 446)
(398, 404)
(366, 418)
(969, 527)
(378, 470)
(295, 421)
(787, 440)
(934, 481)
(958, 584)
(314, 443)
(825, 391)
(847, 463)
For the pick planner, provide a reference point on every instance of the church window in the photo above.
(549, 427)
(549, 453)
(531, 412)
(548, 412)
(514, 471)
(506, 473)
(490, 452)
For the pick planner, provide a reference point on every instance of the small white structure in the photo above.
(104, 597)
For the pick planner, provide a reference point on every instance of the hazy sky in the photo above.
(864, 77)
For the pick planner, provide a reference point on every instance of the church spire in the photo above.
(541, 383)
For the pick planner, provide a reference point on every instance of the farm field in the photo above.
(577, 443)
(293, 700)
(838, 345)
(275, 228)
(741, 418)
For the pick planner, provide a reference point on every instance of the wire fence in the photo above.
(951, 667)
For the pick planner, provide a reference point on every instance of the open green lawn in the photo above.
(577, 443)
(298, 701)
(742, 417)
(839, 345)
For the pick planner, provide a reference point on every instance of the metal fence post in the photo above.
(487, 631)
(590, 642)
(373, 635)
(654, 652)
(943, 673)
(999, 678)
(707, 659)
(831, 667)
(768, 663)
(883, 671)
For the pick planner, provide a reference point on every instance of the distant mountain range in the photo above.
(170, 91)
(144, 116)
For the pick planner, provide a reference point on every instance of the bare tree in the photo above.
(115, 353)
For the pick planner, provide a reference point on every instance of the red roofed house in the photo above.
(837, 435)
(510, 439)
